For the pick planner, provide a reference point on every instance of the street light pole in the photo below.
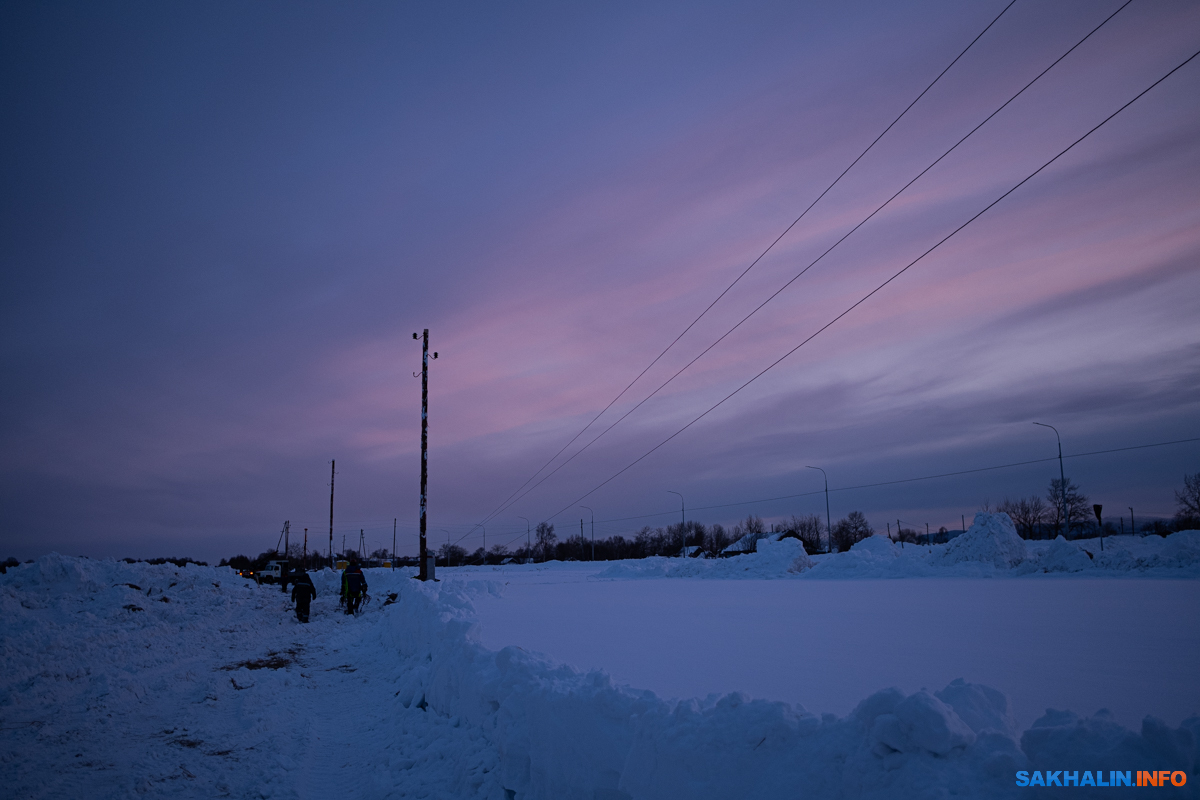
(682, 519)
(593, 513)
(527, 544)
(682, 509)
(828, 523)
(1062, 480)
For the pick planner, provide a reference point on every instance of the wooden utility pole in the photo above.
(424, 567)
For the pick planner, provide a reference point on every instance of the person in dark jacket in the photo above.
(303, 592)
(354, 587)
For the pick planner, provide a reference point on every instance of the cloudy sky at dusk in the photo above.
(223, 222)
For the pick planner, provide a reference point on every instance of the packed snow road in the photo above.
(141, 681)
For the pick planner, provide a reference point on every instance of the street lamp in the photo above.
(828, 524)
(1062, 479)
(593, 513)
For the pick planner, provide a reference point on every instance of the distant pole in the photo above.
(393, 544)
(305, 562)
(593, 513)
(1132, 529)
(927, 542)
(1062, 476)
(828, 522)
(332, 474)
(528, 546)
(1099, 525)
(898, 536)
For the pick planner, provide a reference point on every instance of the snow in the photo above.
(991, 539)
(130, 680)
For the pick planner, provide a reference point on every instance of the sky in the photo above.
(223, 222)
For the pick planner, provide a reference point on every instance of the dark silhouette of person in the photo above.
(303, 592)
(354, 587)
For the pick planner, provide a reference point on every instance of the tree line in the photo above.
(1035, 517)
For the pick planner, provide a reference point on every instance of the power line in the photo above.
(880, 287)
(519, 494)
(504, 504)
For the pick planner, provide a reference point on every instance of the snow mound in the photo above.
(1064, 556)
(873, 557)
(771, 559)
(991, 539)
(877, 546)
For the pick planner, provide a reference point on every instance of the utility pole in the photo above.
(1063, 481)
(287, 526)
(828, 522)
(1132, 530)
(332, 474)
(424, 571)
(593, 513)
(305, 561)
(362, 545)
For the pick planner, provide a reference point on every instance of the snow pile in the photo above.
(873, 557)
(565, 733)
(991, 539)
(1064, 556)
(1176, 555)
(771, 559)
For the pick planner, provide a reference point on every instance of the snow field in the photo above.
(107, 690)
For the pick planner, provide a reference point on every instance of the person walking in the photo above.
(354, 587)
(303, 592)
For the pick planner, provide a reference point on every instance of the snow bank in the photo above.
(771, 559)
(563, 733)
(1064, 556)
(991, 539)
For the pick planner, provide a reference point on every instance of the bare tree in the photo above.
(452, 555)
(546, 540)
(1187, 515)
(1027, 513)
(1076, 503)
(808, 530)
(716, 540)
(851, 529)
